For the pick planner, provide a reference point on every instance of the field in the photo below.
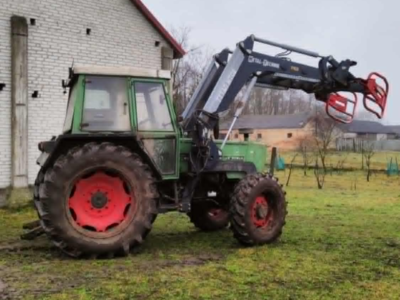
(338, 243)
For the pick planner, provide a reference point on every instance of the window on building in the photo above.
(236, 136)
(152, 107)
(289, 135)
(106, 104)
(259, 135)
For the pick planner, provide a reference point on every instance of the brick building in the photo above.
(39, 40)
(283, 131)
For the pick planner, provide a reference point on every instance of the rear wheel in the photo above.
(258, 210)
(98, 200)
(208, 215)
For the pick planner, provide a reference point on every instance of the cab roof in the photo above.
(120, 71)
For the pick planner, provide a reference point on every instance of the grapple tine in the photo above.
(338, 108)
(376, 94)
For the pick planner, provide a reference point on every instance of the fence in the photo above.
(356, 145)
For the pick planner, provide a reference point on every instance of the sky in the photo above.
(366, 31)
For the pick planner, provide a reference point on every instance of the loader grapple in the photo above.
(375, 100)
(340, 108)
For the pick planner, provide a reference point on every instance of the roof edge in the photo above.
(178, 50)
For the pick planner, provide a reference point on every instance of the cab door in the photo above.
(154, 121)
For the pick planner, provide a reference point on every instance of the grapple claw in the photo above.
(340, 108)
(375, 99)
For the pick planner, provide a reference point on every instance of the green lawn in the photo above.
(339, 243)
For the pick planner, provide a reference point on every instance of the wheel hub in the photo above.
(99, 200)
(261, 214)
(262, 211)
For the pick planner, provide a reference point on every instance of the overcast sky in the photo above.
(367, 31)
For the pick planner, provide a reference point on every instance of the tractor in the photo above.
(124, 156)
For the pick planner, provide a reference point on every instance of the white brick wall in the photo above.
(120, 35)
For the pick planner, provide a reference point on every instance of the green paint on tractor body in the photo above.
(232, 151)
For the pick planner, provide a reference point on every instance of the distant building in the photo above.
(395, 129)
(283, 131)
(367, 130)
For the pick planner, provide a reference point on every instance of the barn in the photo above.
(40, 40)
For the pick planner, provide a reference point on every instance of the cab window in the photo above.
(106, 104)
(151, 107)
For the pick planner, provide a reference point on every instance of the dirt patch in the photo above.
(17, 246)
(3, 292)
(190, 261)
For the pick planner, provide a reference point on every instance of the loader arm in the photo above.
(330, 77)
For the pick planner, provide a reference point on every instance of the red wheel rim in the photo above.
(100, 202)
(261, 213)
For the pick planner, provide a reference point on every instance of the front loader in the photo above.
(124, 156)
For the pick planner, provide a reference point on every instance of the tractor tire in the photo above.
(98, 200)
(258, 210)
(207, 216)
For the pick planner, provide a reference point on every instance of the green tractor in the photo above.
(124, 157)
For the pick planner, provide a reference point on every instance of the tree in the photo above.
(325, 134)
(306, 150)
(187, 71)
(368, 151)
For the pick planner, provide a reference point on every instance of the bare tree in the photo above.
(340, 163)
(290, 168)
(368, 151)
(325, 134)
(319, 174)
(307, 151)
(187, 71)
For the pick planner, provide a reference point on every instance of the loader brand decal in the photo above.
(233, 157)
(263, 62)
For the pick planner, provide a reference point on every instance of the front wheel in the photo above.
(258, 210)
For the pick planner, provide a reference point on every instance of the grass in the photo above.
(338, 243)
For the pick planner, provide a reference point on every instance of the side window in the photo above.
(106, 104)
(151, 107)
(70, 108)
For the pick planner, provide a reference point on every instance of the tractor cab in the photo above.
(119, 100)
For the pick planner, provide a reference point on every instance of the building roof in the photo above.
(394, 128)
(361, 126)
(269, 121)
(178, 50)
(120, 71)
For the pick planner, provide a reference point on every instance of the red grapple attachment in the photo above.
(340, 108)
(375, 99)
